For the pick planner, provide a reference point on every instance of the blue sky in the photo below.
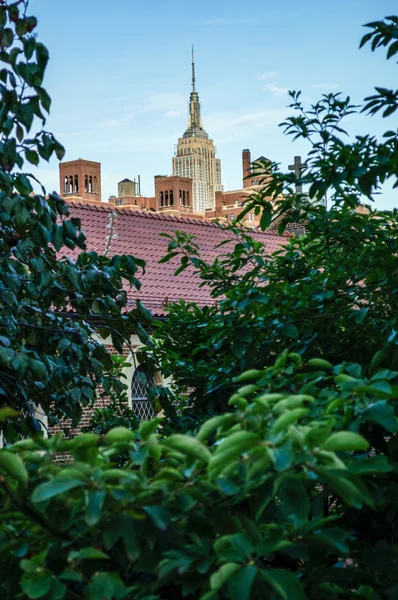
(119, 77)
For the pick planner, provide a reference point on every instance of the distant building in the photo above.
(127, 188)
(230, 204)
(195, 156)
(81, 179)
(174, 195)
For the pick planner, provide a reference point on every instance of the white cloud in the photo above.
(267, 75)
(171, 114)
(132, 141)
(116, 122)
(167, 103)
(276, 90)
(325, 86)
(231, 126)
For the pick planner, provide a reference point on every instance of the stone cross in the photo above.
(298, 167)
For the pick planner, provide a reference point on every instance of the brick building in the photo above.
(228, 205)
(173, 194)
(80, 179)
(125, 230)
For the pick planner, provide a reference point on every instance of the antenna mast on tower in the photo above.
(193, 71)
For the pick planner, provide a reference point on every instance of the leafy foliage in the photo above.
(50, 304)
(265, 501)
(332, 293)
(116, 413)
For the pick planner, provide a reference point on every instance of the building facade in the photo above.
(80, 178)
(174, 195)
(195, 156)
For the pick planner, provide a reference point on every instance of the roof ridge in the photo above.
(156, 215)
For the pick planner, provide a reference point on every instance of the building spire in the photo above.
(193, 71)
(195, 125)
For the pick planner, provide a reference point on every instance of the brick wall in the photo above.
(174, 193)
(228, 205)
(134, 202)
(101, 402)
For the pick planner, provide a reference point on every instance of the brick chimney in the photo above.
(246, 167)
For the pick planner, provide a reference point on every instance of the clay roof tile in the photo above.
(138, 233)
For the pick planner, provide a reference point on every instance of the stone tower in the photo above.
(80, 178)
(195, 156)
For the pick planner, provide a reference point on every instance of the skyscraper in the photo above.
(195, 156)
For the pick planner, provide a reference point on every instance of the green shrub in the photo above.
(116, 413)
(332, 293)
(266, 501)
(55, 311)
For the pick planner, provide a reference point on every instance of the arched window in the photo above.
(140, 403)
(180, 197)
(95, 185)
(187, 198)
(161, 199)
(71, 184)
(183, 198)
(86, 184)
(90, 184)
(76, 183)
(166, 198)
(171, 198)
(66, 185)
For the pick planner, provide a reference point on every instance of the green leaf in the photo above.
(159, 516)
(382, 414)
(211, 425)
(345, 441)
(251, 375)
(32, 157)
(265, 493)
(333, 538)
(119, 435)
(54, 487)
(7, 412)
(284, 583)
(284, 456)
(144, 312)
(38, 369)
(370, 465)
(13, 465)
(295, 500)
(71, 576)
(105, 585)
(289, 330)
(168, 257)
(88, 554)
(288, 418)
(147, 428)
(343, 486)
(187, 445)
(7, 37)
(37, 589)
(94, 502)
(224, 573)
(240, 584)
(320, 363)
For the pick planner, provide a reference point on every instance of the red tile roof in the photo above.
(138, 233)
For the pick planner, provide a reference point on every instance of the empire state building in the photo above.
(195, 156)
